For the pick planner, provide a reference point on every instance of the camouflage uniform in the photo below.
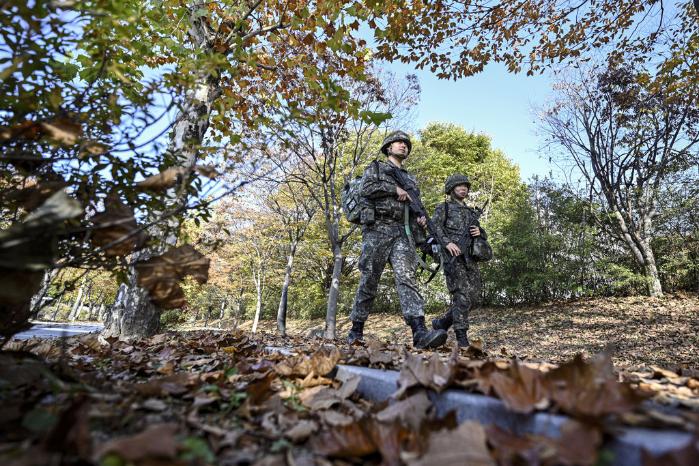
(384, 239)
(462, 275)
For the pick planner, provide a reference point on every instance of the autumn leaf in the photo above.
(62, 131)
(321, 362)
(346, 441)
(32, 196)
(156, 441)
(116, 229)
(685, 456)
(521, 388)
(432, 373)
(591, 390)
(163, 180)
(161, 275)
(464, 445)
(207, 171)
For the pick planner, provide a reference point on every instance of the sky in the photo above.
(494, 102)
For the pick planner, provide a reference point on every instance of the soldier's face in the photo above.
(399, 149)
(461, 191)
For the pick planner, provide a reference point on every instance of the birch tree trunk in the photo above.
(76, 304)
(133, 314)
(283, 301)
(333, 293)
(258, 278)
(57, 307)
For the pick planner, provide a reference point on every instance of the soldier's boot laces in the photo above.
(443, 322)
(423, 338)
(356, 335)
(462, 337)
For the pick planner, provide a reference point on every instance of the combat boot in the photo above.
(443, 322)
(423, 338)
(356, 335)
(462, 337)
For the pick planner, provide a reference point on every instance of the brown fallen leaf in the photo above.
(320, 397)
(301, 431)
(32, 196)
(71, 433)
(591, 390)
(411, 412)
(510, 449)
(685, 456)
(346, 441)
(521, 388)
(156, 441)
(116, 226)
(62, 131)
(171, 385)
(578, 444)
(464, 445)
(163, 180)
(321, 362)
(207, 171)
(335, 418)
(160, 275)
(377, 353)
(432, 373)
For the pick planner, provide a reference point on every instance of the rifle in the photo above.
(415, 206)
(465, 234)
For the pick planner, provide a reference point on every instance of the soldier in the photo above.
(385, 229)
(451, 219)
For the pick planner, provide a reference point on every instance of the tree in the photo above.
(293, 208)
(627, 137)
(458, 39)
(328, 147)
(78, 109)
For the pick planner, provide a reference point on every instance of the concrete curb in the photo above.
(378, 385)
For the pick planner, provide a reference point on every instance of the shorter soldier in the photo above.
(457, 223)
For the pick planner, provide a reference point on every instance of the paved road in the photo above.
(57, 330)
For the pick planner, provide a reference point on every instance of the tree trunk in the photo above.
(132, 314)
(283, 301)
(654, 286)
(57, 307)
(132, 305)
(38, 299)
(258, 306)
(222, 312)
(333, 294)
(208, 315)
(76, 305)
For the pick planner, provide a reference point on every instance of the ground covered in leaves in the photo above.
(199, 398)
(638, 331)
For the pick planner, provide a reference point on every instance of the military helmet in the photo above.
(455, 180)
(394, 137)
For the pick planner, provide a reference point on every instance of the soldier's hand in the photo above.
(403, 194)
(475, 231)
(422, 221)
(453, 249)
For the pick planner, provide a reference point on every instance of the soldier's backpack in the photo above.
(352, 198)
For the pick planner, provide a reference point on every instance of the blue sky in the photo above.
(494, 102)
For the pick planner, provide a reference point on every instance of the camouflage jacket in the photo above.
(381, 199)
(451, 217)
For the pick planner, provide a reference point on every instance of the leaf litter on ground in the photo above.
(223, 398)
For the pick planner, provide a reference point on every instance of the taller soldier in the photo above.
(386, 224)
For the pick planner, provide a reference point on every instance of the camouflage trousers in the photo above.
(464, 284)
(379, 247)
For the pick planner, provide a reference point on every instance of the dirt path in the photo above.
(644, 331)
